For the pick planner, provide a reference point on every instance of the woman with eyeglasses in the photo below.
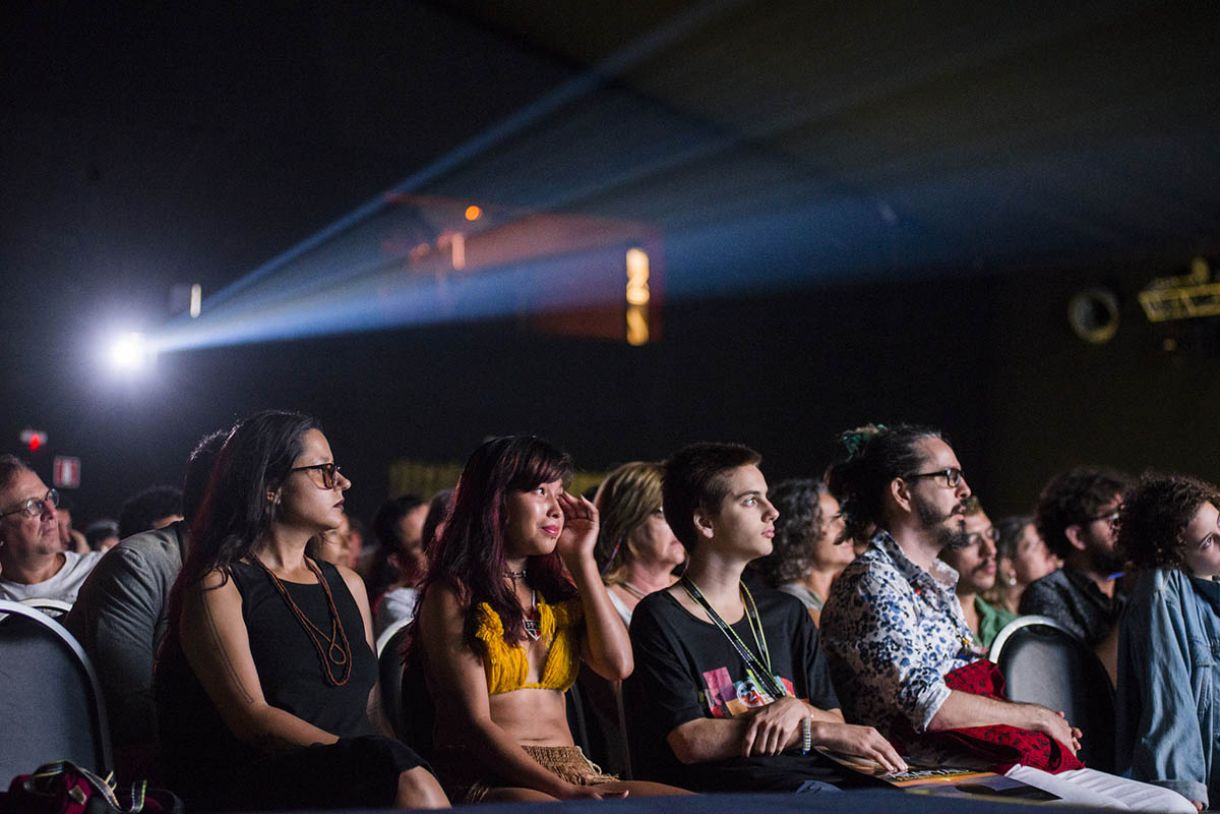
(1168, 710)
(266, 681)
(636, 549)
(809, 550)
(511, 605)
(975, 563)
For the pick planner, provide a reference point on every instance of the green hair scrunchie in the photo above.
(854, 441)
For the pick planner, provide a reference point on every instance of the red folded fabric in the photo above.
(1001, 745)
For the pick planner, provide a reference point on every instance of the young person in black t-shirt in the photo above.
(731, 689)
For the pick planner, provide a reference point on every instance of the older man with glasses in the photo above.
(33, 564)
(975, 564)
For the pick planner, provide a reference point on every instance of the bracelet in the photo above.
(806, 735)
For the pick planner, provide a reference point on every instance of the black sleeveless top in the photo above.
(195, 740)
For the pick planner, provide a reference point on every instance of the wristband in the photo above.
(806, 735)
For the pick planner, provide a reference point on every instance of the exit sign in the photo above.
(66, 472)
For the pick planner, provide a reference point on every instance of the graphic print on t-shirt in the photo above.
(726, 698)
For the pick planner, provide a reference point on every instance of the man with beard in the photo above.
(894, 630)
(975, 564)
(1077, 515)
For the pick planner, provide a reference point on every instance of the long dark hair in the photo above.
(469, 555)
(236, 514)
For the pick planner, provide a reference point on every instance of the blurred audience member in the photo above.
(975, 563)
(1168, 712)
(102, 535)
(399, 528)
(361, 554)
(636, 550)
(154, 508)
(438, 515)
(1077, 516)
(809, 546)
(336, 546)
(398, 531)
(33, 564)
(121, 614)
(70, 538)
(1022, 557)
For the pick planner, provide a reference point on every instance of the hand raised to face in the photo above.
(580, 526)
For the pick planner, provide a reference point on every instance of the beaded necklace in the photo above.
(337, 651)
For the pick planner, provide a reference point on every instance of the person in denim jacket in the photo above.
(1167, 715)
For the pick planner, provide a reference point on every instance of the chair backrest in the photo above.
(1045, 664)
(55, 608)
(51, 704)
(389, 667)
(416, 721)
(384, 639)
(603, 721)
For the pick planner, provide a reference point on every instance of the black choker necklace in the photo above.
(515, 575)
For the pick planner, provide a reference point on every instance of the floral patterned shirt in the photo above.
(892, 631)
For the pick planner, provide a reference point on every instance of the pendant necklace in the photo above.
(530, 622)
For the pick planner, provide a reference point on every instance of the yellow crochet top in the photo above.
(559, 626)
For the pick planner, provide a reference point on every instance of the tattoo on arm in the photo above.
(214, 634)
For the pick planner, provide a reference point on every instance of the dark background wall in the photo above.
(997, 368)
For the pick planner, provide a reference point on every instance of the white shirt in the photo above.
(397, 603)
(63, 586)
(624, 612)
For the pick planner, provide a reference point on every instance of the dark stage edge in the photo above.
(870, 801)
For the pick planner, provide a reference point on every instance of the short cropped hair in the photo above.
(141, 511)
(696, 480)
(10, 465)
(1155, 515)
(1072, 498)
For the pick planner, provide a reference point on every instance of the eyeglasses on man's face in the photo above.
(976, 538)
(35, 505)
(324, 476)
(1111, 518)
(950, 477)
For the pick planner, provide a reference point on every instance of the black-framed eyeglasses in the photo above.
(949, 477)
(324, 476)
(35, 505)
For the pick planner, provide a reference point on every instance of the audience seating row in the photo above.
(52, 707)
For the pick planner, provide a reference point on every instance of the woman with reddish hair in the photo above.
(511, 605)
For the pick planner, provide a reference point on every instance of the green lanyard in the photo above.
(760, 672)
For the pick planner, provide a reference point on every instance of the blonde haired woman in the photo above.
(636, 549)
